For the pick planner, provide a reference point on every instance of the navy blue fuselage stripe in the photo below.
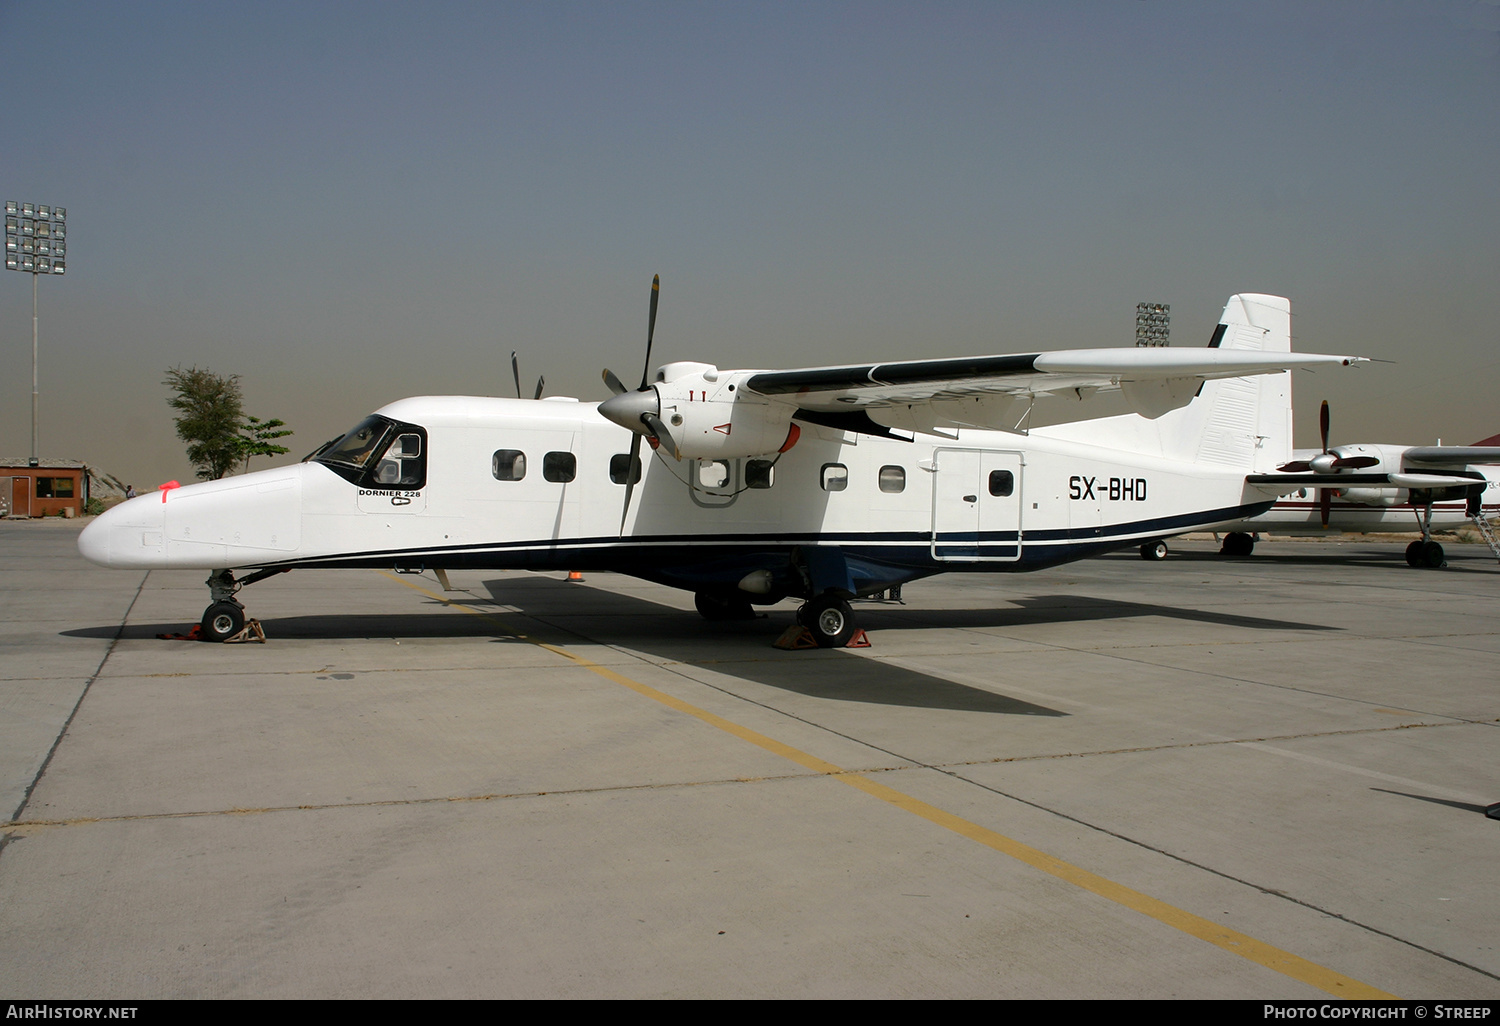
(1039, 548)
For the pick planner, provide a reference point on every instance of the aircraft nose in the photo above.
(125, 536)
(93, 543)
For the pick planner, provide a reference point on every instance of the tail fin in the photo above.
(1240, 422)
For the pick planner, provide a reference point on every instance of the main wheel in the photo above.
(1414, 553)
(1432, 555)
(222, 621)
(712, 606)
(1154, 550)
(1237, 543)
(830, 620)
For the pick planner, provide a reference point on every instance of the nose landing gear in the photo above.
(222, 621)
(225, 619)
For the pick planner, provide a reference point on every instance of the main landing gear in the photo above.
(828, 619)
(1237, 543)
(714, 606)
(1425, 553)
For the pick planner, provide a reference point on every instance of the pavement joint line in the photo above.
(88, 684)
(25, 825)
(1232, 941)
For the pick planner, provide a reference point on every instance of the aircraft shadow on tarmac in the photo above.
(1393, 560)
(544, 608)
(1483, 810)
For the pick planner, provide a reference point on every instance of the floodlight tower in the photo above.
(36, 243)
(1153, 324)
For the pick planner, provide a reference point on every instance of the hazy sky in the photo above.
(350, 203)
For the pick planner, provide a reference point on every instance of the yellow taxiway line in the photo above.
(1220, 936)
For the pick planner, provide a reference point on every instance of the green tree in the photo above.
(211, 420)
(256, 437)
(210, 415)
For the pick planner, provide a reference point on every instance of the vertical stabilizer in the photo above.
(1237, 423)
(1242, 422)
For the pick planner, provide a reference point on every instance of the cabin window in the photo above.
(559, 467)
(624, 469)
(893, 479)
(713, 473)
(508, 464)
(760, 473)
(835, 477)
(1002, 482)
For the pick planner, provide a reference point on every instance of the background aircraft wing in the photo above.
(1452, 455)
(1285, 484)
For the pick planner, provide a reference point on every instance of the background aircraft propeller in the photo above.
(1327, 462)
(515, 370)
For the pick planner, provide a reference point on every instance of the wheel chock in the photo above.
(797, 637)
(191, 635)
(252, 631)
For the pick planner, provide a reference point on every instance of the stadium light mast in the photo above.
(35, 243)
(1153, 324)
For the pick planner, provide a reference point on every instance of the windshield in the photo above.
(378, 453)
(360, 445)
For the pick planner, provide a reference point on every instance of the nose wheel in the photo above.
(222, 621)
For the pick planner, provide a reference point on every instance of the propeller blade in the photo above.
(515, 370)
(630, 475)
(1323, 427)
(1354, 462)
(661, 434)
(539, 383)
(614, 384)
(1295, 467)
(650, 330)
(1325, 502)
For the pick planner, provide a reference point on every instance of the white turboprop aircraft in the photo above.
(1365, 488)
(824, 483)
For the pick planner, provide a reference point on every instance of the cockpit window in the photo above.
(379, 453)
(357, 447)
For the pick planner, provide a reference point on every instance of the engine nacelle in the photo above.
(1373, 496)
(710, 417)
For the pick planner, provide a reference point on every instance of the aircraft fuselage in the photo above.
(484, 483)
